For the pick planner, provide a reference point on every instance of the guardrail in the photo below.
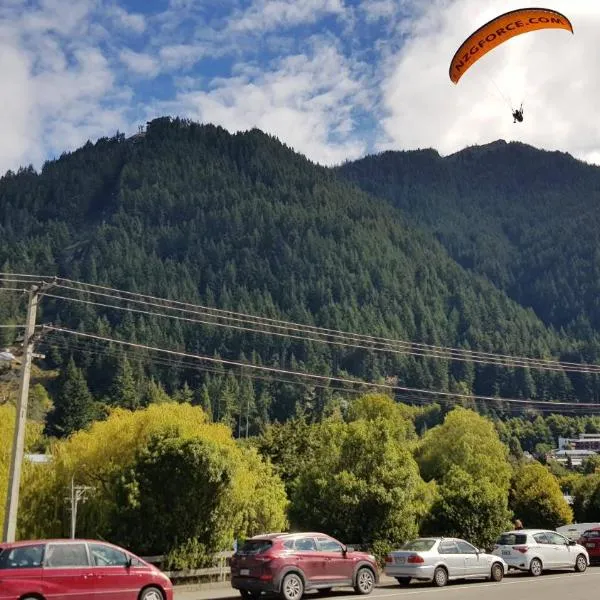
(220, 570)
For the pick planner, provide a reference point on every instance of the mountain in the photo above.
(527, 219)
(241, 222)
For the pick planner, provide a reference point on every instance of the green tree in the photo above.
(536, 498)
(474, 510)
(125, 392)
(364, 487)
(74, 407)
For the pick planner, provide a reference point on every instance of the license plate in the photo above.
(399, 560)
(244, 571)
(505, 552)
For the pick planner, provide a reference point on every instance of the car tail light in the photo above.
(389, 558)
(521, 549)
(415, 559)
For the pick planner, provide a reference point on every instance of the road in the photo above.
(559, 586)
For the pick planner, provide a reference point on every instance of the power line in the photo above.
(316, 377)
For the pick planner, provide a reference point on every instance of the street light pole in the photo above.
(16, 463)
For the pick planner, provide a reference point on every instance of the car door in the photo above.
(115, 578)
(338, 567)
(474, 564)
(454, 561)
(545, 550)
(561, 549)
(67, 572)
(309, 559)
(21, 571)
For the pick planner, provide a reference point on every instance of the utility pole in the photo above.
(16, 462)
(78, 494)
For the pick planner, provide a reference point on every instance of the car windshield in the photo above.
(255, 546)
(421, 545)
(512, 539)
(592, 533)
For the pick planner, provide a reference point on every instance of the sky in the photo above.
(333, 79)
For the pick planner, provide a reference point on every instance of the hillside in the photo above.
(241, 222)
(527, 219)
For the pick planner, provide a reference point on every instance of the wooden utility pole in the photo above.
(16, 462)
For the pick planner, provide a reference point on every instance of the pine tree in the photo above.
(124, 391)
(74, 406)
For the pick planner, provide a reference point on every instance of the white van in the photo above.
(575, 530)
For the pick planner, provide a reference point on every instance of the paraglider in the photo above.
(500, 30)
(518, 114)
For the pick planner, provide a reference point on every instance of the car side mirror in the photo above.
(344, 549)
(128, 562)
(571, 542)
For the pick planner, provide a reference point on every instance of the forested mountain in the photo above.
(241, 222)
(527, 219)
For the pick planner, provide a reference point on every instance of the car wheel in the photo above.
(535, 567)
(403, 581)
(151, 593)
(497, 572)
(365, 581)
(440, 577)
(580, 564)
(324, 591)
(292, 587)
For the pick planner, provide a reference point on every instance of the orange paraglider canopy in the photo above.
(501, 29)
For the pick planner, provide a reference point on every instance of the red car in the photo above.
(590, 540)
(289, 564)
(77, 570)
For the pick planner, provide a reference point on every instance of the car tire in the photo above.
(151, 593)
(580, 564)
(440, 577)
(403, 581)
(497, 572)
(292, 587)
(365, 581)
(535, 567)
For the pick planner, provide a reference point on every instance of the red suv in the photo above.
(77, 570)
(291, 563)
(590, 540)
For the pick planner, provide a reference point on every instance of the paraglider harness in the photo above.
(518, 114)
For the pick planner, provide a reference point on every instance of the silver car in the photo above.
(441, 559)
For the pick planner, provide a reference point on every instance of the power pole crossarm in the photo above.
(16, 463)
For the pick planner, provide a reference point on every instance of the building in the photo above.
(585, 441)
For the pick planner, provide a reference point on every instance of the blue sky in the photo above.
(334, 79)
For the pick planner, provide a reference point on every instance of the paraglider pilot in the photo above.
(518, 115)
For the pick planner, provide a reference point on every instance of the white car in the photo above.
(538, 550)
(441, 559)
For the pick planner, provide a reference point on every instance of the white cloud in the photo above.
(180, 56)
(552, 71)
(376, 10)
(267, 15)
(140, 63)
(306, 102)
(131, 21)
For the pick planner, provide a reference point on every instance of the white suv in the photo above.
(537, 550)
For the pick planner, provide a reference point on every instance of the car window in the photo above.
(512, 539)
(556, 538)
(326, 545)
(306, 544)
(288, 544)
(591, 533)
(448, 548)
(250, 547)
(66, 555)
(107, 556)
(23, 557)
(420, 545)
(541, 538)
(465, 547)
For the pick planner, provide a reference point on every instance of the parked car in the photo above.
(442, 559)
(77, 570)
(574, 531)
(538, 550)
(289, 564)
(590, 540)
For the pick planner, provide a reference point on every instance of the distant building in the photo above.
(575, 457)
(585, 441)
